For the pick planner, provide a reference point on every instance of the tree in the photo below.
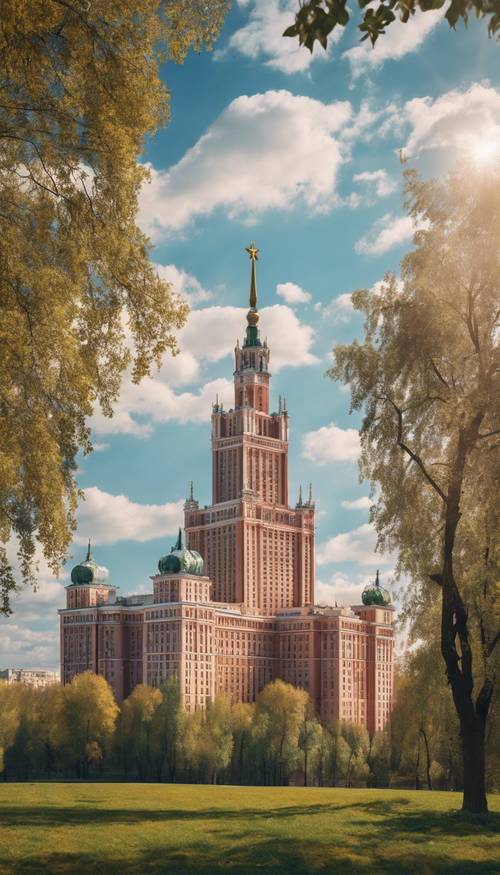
(316, 19)
(379, 760)
(339, 753)
(310, 739)
(168, 722)
(216, 741)
(191, 744)
(241, 721)
(427, 377)
(358, 742)
(79, 298)
(279, 716)
(136, 726)
(88, 718)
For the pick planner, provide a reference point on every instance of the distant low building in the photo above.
(33, 677)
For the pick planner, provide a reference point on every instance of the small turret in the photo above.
(89, 584)
(300, 503)
(191, 503)
(374, 594)
(89, 571)
(180, 559)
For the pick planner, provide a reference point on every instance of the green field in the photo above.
(161, 828)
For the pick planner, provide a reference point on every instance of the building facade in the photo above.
(35, 677)
(234, 608)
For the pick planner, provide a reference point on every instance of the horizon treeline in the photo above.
(79, 731)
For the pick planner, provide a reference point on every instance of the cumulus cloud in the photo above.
(265, 151)
(458, 120)
(107, 519)
(184, 283)
(25, 647)
(30, 637)
(339, 309)
(343, 589)
(400, 40)
(153, 401)
(356, 546)
(292, 294)
(378, 181)
(208, 336)
(387, 232)
(331, 444)
(363, 503)
(261, 38)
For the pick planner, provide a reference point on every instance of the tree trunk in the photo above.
(305, 767)
(427, 758)
(473, 751)
(455, 624)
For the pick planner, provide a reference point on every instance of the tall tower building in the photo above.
(233, 608)
(258, 551)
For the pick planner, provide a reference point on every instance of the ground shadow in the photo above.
(267, 857)
(250, 849)
(395, 818)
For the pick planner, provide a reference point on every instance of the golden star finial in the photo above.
(252, 251)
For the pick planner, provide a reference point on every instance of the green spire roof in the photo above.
(180, 559)
(374, 594)
(89, 572)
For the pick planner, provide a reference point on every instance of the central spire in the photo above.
(252, 333)
(254, 256)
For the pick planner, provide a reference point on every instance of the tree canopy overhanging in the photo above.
(427, 378)
(315, 20)
(80, 90)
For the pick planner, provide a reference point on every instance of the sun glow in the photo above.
(485, 150)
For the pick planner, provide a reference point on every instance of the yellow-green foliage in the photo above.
(80, 90)
(72, 829)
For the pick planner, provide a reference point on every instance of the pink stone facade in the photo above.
(252, 618)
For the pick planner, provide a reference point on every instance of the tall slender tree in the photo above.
(427, 377)
(80, 90)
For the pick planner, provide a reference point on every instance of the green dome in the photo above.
(89, 571)
(181, 559)
(374, 594)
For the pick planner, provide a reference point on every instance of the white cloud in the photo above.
(399, 40)
(265, 151)
(378, 180)
(107, 519)
(183, 283)
(208, 336)
(339, 309)
(30, 638)
(344, 589)
(262, 37)
(24, 647)
(211, 334)
(387, 232)
(458, 120)
(154, 401)
(331, 444)
(363, 503)
(356, 546)
(339, 589)
(292, 294)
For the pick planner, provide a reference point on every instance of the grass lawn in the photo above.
(161, 828)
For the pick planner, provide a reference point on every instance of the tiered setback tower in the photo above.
(251, 618)
(258, 551)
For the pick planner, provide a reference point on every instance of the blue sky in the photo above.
(299, 154)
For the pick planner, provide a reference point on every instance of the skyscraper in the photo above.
(234, 608)
(257, 549)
